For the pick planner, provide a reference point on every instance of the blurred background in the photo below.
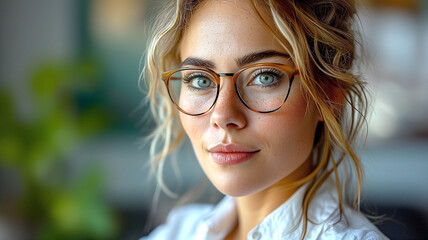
(72, 159)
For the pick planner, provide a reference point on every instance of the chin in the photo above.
(237, 188)
(234, 192)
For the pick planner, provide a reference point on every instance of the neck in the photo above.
(252, 209)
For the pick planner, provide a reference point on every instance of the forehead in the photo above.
(226, 29)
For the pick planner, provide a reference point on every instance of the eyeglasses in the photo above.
(262, 87)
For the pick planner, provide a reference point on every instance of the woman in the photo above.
(261, 89)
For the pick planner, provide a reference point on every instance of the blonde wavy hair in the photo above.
(321, 41)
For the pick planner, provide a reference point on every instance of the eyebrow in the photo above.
(256, 56)
(199, 62)
(246, 59)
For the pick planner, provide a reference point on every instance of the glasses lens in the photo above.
(263, 88)
(193, 91)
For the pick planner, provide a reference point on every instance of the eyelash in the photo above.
(191, 76)
(279, 75)
(188, 78)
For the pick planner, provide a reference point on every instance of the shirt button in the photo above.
(256, 235)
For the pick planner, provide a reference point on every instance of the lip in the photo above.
(231, 154)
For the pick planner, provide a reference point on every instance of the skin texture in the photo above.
(220, 32)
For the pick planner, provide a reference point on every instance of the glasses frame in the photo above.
(291, 72)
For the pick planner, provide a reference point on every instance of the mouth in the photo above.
(231, 154)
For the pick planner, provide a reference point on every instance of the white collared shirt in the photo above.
(202, 221)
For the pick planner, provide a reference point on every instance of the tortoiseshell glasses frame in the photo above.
(289, 70)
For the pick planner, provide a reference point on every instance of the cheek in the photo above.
(291, 131)
(188, 124)
(194, 127)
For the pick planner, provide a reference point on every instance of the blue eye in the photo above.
(198, 81)
(264, 79)
(201, 82)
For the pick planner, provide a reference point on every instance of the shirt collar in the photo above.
(221, 220)
(283, 221)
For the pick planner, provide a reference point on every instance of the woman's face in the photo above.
(243, 152)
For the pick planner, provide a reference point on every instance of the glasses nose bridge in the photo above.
(225, 75)
(232, 78)
(231, 75)
(231, 91)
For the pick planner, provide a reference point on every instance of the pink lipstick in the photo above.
(231, 154)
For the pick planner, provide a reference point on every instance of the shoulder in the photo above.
(351, 225)
(330, 223)
(182, 222)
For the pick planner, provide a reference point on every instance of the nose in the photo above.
(228, 112)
